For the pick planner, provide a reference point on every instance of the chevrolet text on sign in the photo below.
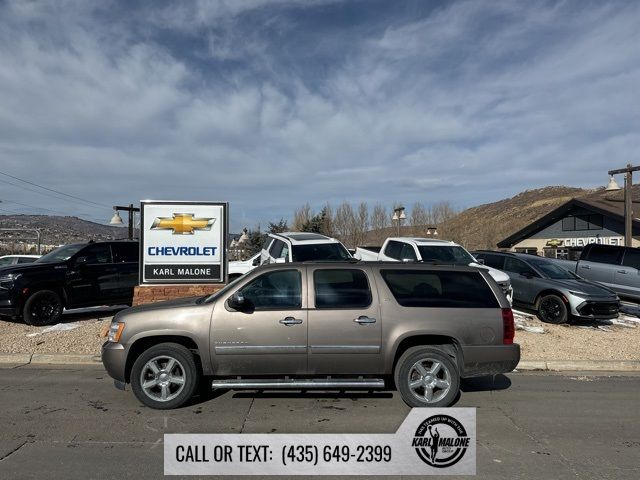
(183, 242)
(430, 441)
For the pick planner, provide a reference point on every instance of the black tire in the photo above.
(42, 308)
(552, 309)
(427, 357)
(184, 366)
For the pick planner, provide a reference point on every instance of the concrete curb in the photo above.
(579, 365)
(523, 366)
(49, 359)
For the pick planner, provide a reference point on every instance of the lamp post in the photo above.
(628, 204)
(432, 231)
(117, 219)
(398, 216)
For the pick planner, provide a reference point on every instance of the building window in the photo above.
(529, 251)
(582, 222)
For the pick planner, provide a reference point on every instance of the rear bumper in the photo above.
(489, 359)
(114, 359)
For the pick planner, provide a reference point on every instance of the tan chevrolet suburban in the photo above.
(331, 326)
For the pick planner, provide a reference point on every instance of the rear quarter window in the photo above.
(421, 288)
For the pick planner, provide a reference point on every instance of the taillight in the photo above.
(508, 327)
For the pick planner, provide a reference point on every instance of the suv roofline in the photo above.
(286, 236)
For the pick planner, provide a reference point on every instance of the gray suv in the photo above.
(554, 292)
(319, 325)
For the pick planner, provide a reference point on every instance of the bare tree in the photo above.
(343, 221)
(379, 222)
(301, 217)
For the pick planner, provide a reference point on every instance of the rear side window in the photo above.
(393, 249)
(631, 258)
(341, 288)
(493, 261)
(602, 254)
(125, 252)
(421, 288)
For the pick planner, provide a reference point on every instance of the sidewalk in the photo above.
(20, 359)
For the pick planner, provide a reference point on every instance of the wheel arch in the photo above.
(426, 339)
(550, 291)
(144, 343)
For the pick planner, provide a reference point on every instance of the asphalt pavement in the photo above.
(70, 423)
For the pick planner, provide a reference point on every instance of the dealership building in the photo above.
(563, 232)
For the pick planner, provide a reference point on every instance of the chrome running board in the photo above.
(297, 383)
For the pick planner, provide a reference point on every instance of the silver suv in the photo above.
(301, 247)
(320, 325)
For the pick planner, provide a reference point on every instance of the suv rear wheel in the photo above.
(42, 308)
(552, 309)
(427, 377)
(165, 376)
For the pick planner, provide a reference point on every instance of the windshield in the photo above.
(60, 254)
(320, 251)
(551, 270)
(449, 255)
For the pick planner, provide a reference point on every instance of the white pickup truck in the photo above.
(413, 249)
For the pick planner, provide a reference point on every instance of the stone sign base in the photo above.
(157, 293)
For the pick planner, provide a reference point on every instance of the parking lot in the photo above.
(71, 423)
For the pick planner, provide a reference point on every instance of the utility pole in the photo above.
(116, 220)
(628, 202)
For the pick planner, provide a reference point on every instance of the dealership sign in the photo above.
(583, 241)
(183, 242)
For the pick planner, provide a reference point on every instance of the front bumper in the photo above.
(594, 308)
(489, 359)
(114, 359)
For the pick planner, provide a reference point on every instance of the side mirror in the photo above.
(480, 261)
(280, 260)
(81, 260)
(408, 260)
(256, 262)
(526, 274)
(239, 302)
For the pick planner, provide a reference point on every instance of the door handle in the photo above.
(290, 321)
(586, 267)
(363, 319)
(622, 271)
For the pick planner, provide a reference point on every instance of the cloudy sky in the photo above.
(269, 104)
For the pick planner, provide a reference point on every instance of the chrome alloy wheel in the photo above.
(162, 378)
(429, 380)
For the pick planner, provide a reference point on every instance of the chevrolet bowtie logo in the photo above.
(182, 223)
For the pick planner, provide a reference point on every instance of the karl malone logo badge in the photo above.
(441, 441)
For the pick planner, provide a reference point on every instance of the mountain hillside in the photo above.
(55, 230)
(485, 225)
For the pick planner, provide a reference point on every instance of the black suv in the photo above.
(72, 276)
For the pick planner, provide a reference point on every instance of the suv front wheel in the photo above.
(427, 377)
(165, 376)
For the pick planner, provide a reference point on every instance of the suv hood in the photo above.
(498, 275)
(31, 267)
(178, 302)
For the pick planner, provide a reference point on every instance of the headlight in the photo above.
(580, 294)
(6, 281)
(115, 331)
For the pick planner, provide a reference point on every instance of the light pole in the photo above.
(628, 203)
(398, 216)
(117, 219)
(432, 231)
